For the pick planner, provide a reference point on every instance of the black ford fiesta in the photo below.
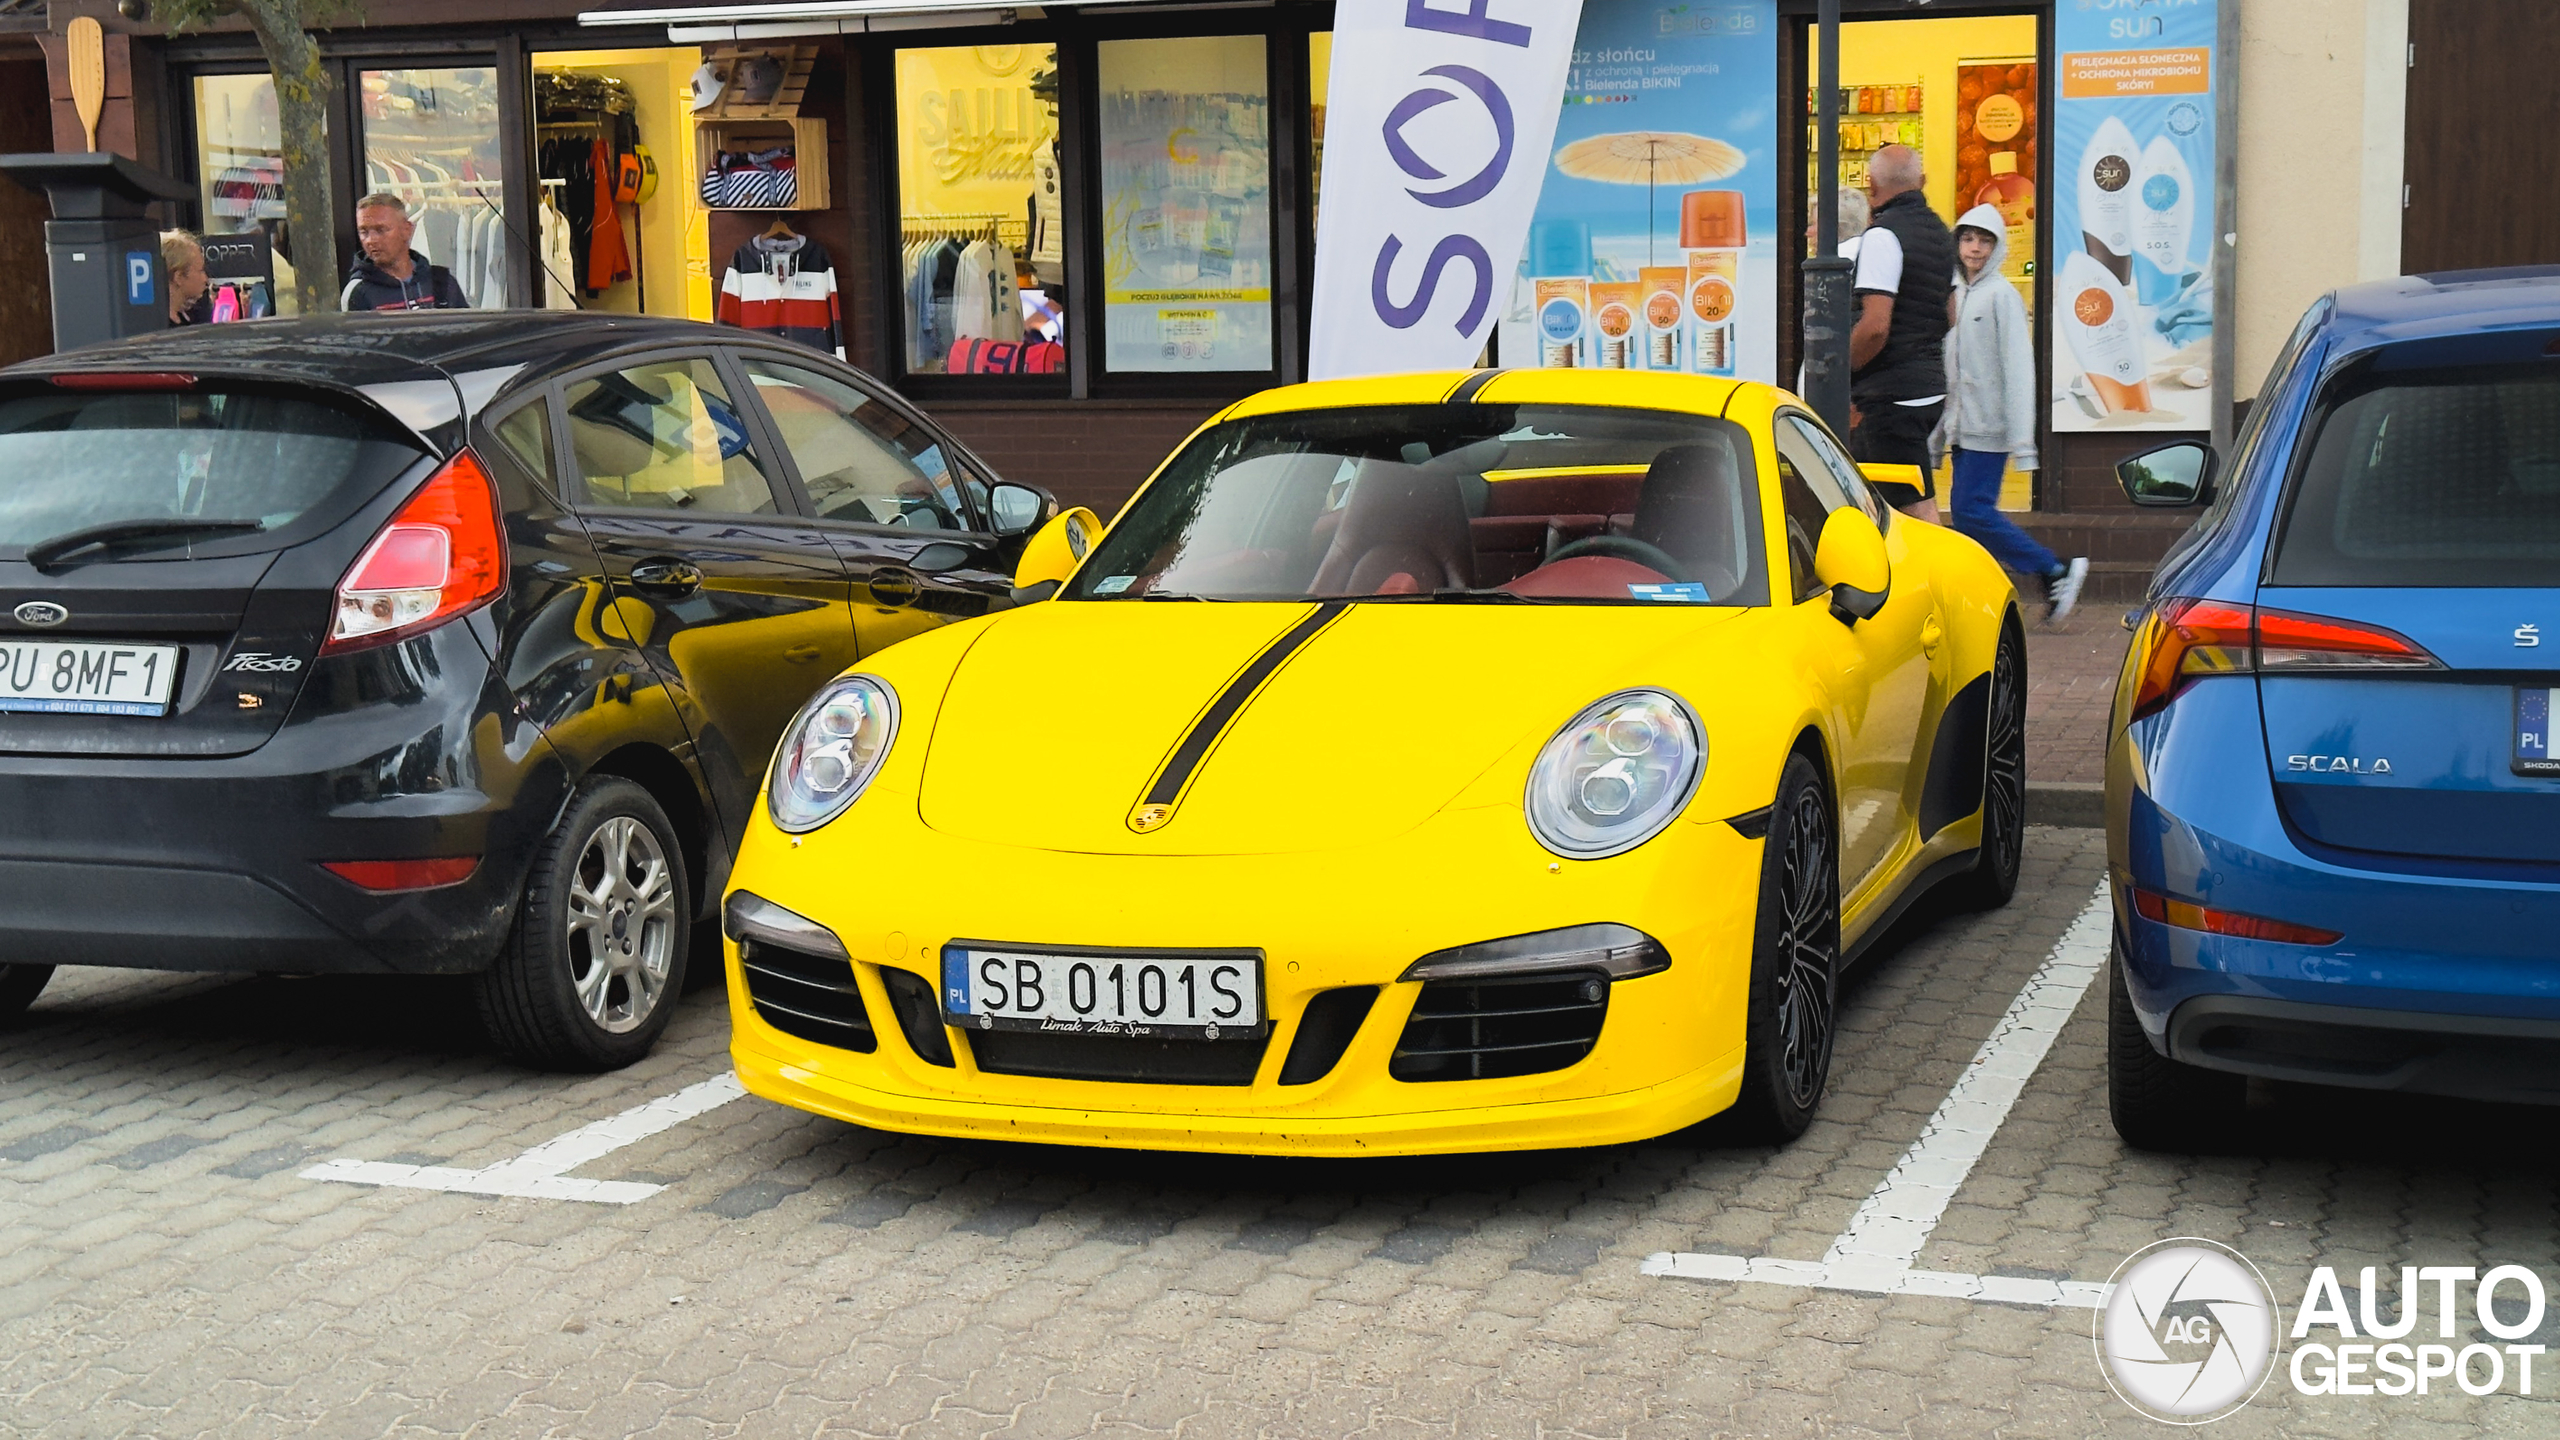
(440, 644)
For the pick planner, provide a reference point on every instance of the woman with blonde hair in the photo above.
(182, 255)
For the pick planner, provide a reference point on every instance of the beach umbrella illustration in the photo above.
(1649, 158)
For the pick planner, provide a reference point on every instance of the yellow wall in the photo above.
(674, 238)
(1897, 52)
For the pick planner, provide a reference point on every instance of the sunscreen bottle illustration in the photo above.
(1560, 269)
(1661, 286)
(2097, 317)
(1615, 326)
(2106, 197)
(1713, 234)
(2163, 221)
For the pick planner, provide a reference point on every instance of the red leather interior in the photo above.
(1586, 577)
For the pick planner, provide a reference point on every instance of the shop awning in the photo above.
(693, 24)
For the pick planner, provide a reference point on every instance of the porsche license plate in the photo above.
(1145, 994)
(83, 677)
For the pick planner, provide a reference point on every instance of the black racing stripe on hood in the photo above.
(1213, 721)
(1465, 394)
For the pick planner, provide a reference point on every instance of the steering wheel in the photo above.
(1624, 547)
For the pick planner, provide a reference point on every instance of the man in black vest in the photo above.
(1897, 370)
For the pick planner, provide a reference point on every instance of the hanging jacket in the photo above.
(1990, 359)
(785, 288)
(429, 287)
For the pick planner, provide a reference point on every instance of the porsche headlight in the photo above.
(831, 752)
(1613, 778)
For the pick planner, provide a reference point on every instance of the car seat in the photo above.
(1691, 508)
(1403, 532)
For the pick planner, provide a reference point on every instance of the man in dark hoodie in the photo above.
(390, 275)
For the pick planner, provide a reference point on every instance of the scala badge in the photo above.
(41, 613)
(2189, 1333)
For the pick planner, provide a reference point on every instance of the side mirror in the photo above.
(1850, 558)
(1053, 554)
(1017, 508)
(2180, 474)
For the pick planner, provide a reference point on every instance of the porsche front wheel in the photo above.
(1795, 963)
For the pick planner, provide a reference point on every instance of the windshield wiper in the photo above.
(45, 554)
(1441, 597)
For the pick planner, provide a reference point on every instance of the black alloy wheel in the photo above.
(19, 987)
(2158, 1103)
(1994, 876)
(1795, 964)
(590, 974)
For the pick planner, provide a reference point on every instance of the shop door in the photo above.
(2480, 163)
(747, 603)
(431, 138)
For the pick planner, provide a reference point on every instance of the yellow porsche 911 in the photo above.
(1428, 763)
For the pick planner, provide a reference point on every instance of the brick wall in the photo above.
(1086, 452)
(26, 296)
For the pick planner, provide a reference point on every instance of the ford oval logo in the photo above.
(41, 612)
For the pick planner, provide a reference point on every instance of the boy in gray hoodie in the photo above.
(1990, 419)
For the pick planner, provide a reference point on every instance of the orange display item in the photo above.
(1712, 220)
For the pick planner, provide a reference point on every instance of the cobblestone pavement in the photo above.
(2071, 679)
(166, 1270)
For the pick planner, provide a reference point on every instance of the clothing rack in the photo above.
(1003, 229)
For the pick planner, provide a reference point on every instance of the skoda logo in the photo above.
(2189, 1334)
(41, 613)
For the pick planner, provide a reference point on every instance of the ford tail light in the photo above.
(444, 554)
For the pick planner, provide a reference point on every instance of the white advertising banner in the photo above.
(1440, 118)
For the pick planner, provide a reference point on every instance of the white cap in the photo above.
(707, 85)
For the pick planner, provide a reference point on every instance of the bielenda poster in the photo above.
(1654, 244)
(2133, 220)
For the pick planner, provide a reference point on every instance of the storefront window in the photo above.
(982, 238)
(240, 164)
(431, 138)
(1185, 132)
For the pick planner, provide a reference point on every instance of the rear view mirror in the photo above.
(2180, 474)
(1850, 558)
(1017, 508)
(1052, 555)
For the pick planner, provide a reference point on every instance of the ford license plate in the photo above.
(84, 677)
(1143, 994)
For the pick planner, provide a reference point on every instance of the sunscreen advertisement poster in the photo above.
(2133, 220)
(1654, 244)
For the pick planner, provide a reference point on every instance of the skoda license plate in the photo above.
(1145, 994)
(2536, 753)
(79, 677)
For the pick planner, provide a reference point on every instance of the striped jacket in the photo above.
(785, 288)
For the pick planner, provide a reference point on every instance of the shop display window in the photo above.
(431, 138)
(983, 242)
(240, 167)
(1185, 134)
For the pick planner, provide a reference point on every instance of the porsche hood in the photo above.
(1173, 728)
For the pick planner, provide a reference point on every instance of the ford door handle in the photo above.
(673, 578)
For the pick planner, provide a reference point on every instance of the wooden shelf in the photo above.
(807, 138)
(796, 62)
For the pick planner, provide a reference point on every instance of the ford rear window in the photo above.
(2436, 478)
(214, 462)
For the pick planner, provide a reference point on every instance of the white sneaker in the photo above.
(2062, 592)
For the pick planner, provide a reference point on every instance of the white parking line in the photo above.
(1891, 1228)
(542, 1173)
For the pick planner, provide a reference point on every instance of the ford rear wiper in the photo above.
(45, 554)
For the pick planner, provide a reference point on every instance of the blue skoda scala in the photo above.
(2333, 788)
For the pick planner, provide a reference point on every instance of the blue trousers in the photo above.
(1976, 503)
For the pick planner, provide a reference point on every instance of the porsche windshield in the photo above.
(1578, 504)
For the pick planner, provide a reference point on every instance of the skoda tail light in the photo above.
(443, 555)
(2186, 640)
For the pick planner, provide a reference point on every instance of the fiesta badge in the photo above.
(41, 613)
(2189, 1333)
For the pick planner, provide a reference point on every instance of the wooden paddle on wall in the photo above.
(84, 48)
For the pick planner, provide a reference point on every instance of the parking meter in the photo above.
(102, 251)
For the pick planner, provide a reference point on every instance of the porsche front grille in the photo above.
(1487, 1029)
(811, 996)
(1117, 1057)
